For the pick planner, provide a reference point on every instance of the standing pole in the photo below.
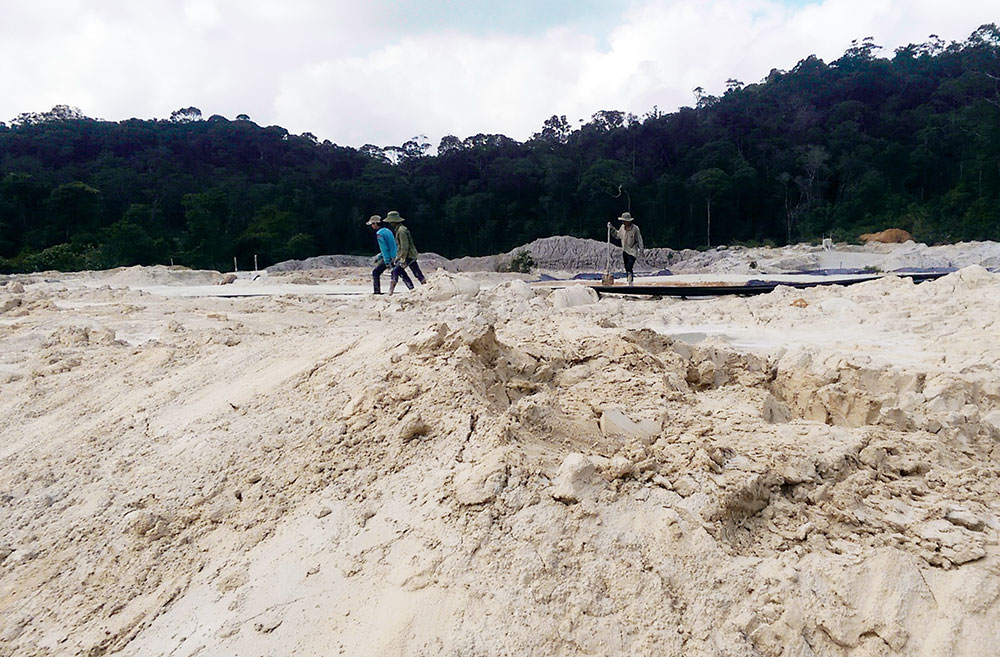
(608, 279)
(607, 263)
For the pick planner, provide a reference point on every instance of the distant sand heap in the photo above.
(573, 254)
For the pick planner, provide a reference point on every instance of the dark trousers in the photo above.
(377, 277)
(629, 262)
(399, 271)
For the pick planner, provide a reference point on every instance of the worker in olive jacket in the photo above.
(406, 253)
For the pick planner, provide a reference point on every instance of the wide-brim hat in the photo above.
(374, 219)
(393, 217)
(626, 217)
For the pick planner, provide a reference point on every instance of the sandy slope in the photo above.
(501, 471)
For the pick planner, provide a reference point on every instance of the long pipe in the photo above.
(763, 287)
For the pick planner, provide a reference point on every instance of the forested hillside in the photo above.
(862, 143)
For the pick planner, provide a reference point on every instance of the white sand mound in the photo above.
(466, 471)
(514, 290)
(157, 275)
(973, 277)
(443, 286)
(578, 295)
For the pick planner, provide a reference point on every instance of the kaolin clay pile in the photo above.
(484, 470)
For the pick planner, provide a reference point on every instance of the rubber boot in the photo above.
(630, 279)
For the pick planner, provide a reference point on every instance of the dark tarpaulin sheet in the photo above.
(757, 286)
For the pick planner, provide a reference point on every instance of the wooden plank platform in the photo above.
(667, 289)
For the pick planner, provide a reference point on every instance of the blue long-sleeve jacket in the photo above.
(386, 244)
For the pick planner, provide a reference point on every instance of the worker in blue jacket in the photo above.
(387, 251)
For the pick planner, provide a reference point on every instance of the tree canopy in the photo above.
(840, 148)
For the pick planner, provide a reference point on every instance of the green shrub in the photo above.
(61, 257)
(521, 262)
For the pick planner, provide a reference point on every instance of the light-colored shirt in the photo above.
(631, 240)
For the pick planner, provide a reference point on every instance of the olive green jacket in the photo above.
(406, 250)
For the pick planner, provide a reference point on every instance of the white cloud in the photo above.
(202, 14)
(448, 84)
(338, 70)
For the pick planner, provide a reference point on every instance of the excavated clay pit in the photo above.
(480, 470)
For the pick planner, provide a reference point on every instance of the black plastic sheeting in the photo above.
(901, 271)
(591, 276)
(912, 272)
(750, 288)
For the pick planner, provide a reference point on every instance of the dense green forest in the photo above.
(862, 143)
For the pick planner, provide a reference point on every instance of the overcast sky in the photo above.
(381, 72)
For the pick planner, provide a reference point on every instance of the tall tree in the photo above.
(709, 184)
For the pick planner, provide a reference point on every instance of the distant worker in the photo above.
(406, 254)
(387, 251)
(630, 237)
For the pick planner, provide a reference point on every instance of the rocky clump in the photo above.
(888, 236)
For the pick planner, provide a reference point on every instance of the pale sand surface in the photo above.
(482, 467)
